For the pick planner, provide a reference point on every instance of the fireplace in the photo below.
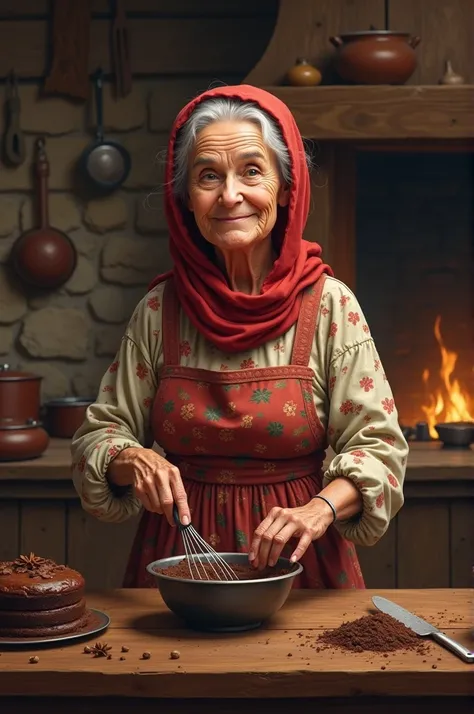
(414, 271)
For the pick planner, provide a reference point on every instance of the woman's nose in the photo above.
(230, 192)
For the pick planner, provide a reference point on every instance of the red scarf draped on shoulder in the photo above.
(234, 321)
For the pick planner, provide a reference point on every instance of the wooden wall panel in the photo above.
(98, 550)
(423, 545)
(9, 530)
(43, 529)
(462, 544)
(445, 29)
(379, 562)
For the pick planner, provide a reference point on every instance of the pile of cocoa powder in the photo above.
(373, 633)
(207, 571)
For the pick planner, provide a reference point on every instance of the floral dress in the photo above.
(249, 432)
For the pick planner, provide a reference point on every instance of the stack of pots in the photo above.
(65, 415)
(21, 433)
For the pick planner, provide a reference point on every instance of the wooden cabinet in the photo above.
(430, 544)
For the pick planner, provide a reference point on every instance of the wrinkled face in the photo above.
(234, 185)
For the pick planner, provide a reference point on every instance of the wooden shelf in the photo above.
(379, 113)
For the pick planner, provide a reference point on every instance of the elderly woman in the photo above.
(243, 365)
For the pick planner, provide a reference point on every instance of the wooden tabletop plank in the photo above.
(279, 660)
(318, 609)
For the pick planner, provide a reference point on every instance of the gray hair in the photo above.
(224, 109)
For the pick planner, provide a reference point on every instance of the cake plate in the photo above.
(98, 622)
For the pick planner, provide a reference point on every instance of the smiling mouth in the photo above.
(233, 219)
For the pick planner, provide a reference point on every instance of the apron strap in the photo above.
(307, 324)
(170, 324)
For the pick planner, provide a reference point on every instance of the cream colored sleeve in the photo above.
(120, 417)
(363, 424)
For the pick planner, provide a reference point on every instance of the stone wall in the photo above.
(70, 335)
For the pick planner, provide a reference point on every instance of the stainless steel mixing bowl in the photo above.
(224, 606)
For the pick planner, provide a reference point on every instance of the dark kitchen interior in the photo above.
(392, 207)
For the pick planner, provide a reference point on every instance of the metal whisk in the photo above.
(199, 553)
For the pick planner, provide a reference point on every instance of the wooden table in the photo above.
(267, 670)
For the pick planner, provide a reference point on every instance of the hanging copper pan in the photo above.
(43, 257)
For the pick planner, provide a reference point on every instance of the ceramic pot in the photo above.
(22, 441)
(64, 416)
(19, 395)
(375, 56)
(303, 74)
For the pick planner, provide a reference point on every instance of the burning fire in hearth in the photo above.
(449, 402)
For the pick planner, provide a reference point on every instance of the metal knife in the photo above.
(422, 628)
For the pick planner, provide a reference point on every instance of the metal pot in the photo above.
(20, 395)
(22, 441)
(64, 416)
(456, 434)
(375, 56)
(106, 164)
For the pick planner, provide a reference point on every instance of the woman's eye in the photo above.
(208, 176)
(253, 172)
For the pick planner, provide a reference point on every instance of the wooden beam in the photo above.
(158, 46)
(356, 113)
(217, 8)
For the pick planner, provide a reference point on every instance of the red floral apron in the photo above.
(244, 441)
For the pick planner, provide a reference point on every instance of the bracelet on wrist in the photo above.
(330, 504)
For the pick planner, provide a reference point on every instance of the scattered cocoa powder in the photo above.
(373, 633)
(208, 572)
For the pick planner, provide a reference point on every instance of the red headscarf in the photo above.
(234, 321)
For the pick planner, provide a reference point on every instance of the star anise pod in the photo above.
(29, 561)
(101, 649)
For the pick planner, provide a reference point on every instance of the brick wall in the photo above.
(415, 236)
(70, 335)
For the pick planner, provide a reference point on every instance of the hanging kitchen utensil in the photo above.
(69, 73)
(121, 51)
(13, 142)
(106, 163)
(43, 257)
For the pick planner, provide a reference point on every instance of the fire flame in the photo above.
(449, 403)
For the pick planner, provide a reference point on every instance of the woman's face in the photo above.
(234, 185)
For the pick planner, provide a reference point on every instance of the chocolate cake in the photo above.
(39, 598)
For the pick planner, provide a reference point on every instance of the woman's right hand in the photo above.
(156, 483)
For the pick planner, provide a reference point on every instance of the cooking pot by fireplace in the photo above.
(456, 434)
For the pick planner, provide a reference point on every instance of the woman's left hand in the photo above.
(307, 523)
